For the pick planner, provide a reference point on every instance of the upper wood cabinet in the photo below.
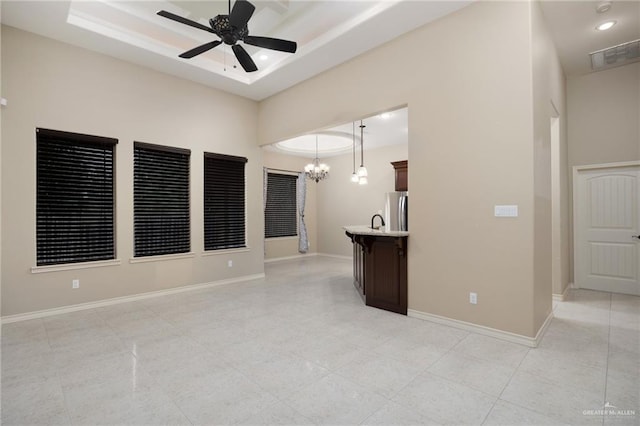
(401, 168)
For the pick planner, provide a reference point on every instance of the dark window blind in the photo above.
(280, 211)
(160, 200)
(74, 197)
(224, 202)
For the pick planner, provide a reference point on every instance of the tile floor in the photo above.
(295, 350)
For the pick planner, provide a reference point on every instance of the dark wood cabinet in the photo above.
(380, 270)
(401, 168)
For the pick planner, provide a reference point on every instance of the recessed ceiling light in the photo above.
(263, 57)
(605, 25)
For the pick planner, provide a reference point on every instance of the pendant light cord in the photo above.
(353, 145)
(361, 144)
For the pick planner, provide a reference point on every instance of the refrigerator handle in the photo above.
(403, 213)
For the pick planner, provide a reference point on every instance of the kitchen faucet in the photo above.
(381, 220)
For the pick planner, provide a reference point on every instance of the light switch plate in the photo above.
(506, 211)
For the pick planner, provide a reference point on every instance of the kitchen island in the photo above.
(380, 267)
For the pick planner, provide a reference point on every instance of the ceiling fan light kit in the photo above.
(231, 29)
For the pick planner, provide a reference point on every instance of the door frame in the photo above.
(576, 172)
(555, 136)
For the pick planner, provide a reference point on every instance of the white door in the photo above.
(607, 240)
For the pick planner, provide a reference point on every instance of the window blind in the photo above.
(161, 200)
(74, 197)
(280, 211)
(224, 201)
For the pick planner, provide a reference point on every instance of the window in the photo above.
(160, 200)
(280, 211)
(224, 202)
(74, 198)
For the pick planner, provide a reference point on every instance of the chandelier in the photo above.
(316, 171)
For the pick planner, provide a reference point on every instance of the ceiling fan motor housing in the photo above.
(228, 33)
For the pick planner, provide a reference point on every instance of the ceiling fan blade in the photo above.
(185, 21)
(200, 49)
(244, 58)
(272, 43)
(241, 13)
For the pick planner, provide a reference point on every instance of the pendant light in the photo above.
(316, 171)
(362, 170)
(354, 175)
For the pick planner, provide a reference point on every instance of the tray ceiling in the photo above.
(327, 32)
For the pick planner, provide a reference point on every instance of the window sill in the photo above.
(73, 266)
(292, 237)
(226, 251)
(162, 257)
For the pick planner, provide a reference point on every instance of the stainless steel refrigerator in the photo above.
(396, 211)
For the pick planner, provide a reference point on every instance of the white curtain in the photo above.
(303, 241)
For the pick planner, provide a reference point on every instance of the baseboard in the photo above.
(543, 329)
(531, 342)
(563, 296)
(124, 299)
(297, 256)
(335, 256)
(301, 256)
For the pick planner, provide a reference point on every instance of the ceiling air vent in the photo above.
(615, 56)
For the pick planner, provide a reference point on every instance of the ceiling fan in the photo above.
(232, 28)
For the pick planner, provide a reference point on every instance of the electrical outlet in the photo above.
(230, 263)
(75, 284)
(473, 298)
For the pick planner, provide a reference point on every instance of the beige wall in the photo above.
(604, 116)
(1, 115)
(603, 122)
(469, 94)
(548, 101)
(275, 248)
(57, 86)
(342, 202)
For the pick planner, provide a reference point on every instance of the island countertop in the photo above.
(365, 230)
